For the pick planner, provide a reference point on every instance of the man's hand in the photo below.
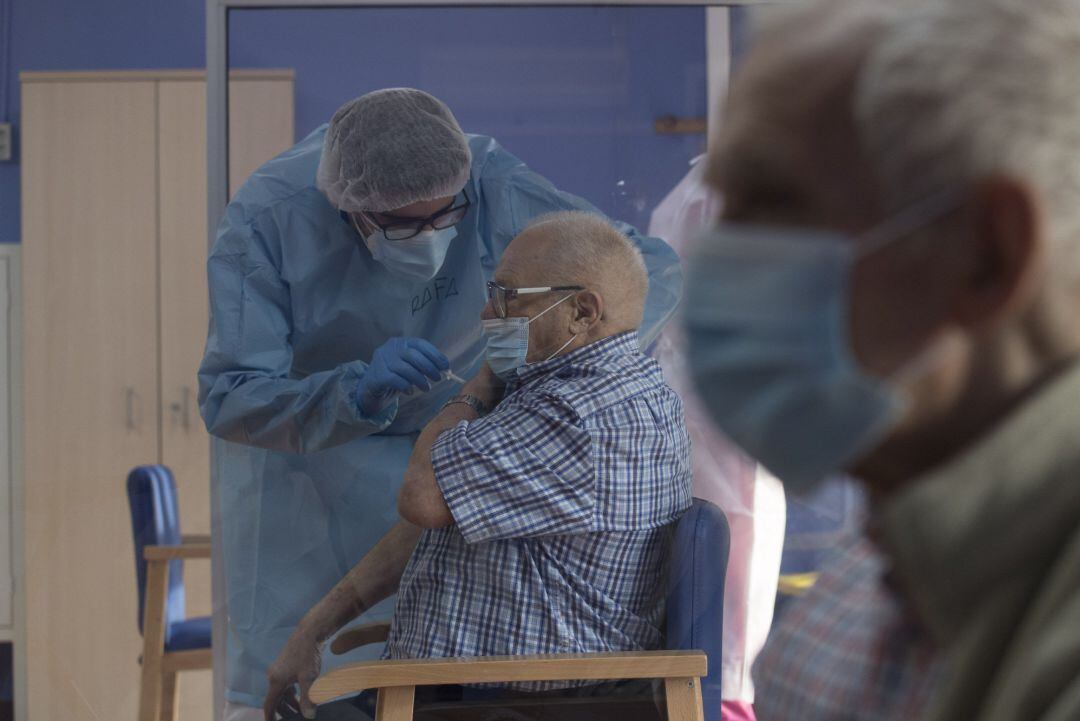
(298, 664)
(486, 386)
(373, 579)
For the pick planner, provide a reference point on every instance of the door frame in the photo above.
(16, 635)
(718, 47)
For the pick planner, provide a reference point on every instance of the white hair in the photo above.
(588, 243)
(823, 23)
(591, 251)
(957, 90)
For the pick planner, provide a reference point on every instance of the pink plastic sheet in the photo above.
(752, 499)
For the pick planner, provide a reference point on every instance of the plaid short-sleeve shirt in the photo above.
(563, 498)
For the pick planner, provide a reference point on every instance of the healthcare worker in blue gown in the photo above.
(346, 281)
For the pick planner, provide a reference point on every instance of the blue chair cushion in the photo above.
(190, 634)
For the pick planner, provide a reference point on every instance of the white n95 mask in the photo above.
(418, 258)
(508, 342)
(767, 323)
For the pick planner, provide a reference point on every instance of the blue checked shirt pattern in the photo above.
(564, 499)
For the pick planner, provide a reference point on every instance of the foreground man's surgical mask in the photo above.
(508, 342)
(418, 258)
(768, 333)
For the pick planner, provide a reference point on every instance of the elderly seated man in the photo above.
(538, 505)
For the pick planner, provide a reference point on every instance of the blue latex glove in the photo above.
(398, 366)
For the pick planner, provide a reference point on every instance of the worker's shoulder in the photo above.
(491, 162)
(287, 178)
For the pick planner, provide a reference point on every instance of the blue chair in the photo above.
(695, 621)
(695, 600)
(171, 642)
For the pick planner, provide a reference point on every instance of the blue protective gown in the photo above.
(307, 483)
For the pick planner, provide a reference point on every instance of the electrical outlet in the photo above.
(5, 141)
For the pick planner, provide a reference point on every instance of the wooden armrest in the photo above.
(188, 539)
(169, 553)
(360, 636)
(358, 677)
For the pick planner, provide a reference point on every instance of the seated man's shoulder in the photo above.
(591, 388)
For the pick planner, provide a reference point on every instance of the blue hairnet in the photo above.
(391, 148)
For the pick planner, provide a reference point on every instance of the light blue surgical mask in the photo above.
(418, 258)
(508, 342)
(767, 323)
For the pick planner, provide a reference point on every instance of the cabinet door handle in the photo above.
(185, 407)
(186, 402)
(131, 400)
(181, 410)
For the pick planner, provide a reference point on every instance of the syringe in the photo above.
(452, 376)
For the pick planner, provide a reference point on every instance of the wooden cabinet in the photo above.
(114, 255)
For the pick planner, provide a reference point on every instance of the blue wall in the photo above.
(102, 34)
(573, 91)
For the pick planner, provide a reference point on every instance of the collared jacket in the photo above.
(987, 550)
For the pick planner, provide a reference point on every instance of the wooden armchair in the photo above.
(695, 617)
(396, 680)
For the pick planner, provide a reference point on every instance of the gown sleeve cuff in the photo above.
(380, 419)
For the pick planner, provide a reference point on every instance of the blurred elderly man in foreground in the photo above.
(539, 504)
(893, 291)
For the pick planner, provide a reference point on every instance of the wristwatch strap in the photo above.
(472, 401)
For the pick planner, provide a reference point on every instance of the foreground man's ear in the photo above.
(1004, 244)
